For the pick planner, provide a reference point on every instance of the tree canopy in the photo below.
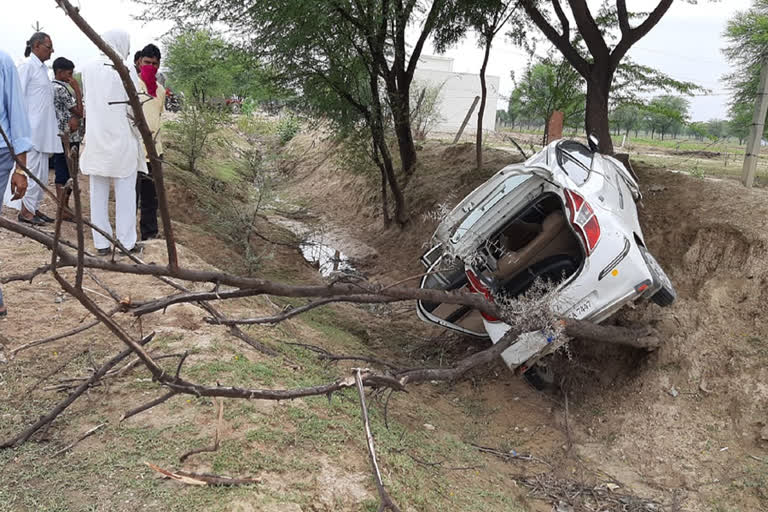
(747, 42)
(204, 66)
(594, 48)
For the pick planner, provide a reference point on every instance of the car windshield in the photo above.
(575, 159)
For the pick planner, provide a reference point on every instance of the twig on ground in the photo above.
(147, 406)
(439, 464)
(202, 478)
(216, 439)
(89, 433)
(510, 455)
(386, 500)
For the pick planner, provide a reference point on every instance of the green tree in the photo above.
(487, 18)
(716, 128)
(747, 41)
(594, 52)
(667, 114)
(318, 42)
(198, 65)
(627, 117)
(514, 107)
(698, 130)
(204, 66)
(551, 84)
(741, 115)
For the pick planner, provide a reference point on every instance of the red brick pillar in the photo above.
(555, 126)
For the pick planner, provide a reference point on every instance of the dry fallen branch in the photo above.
(510, 455)
(216, 438)
(147, 406)
(87, 434)
(202, 478)
(584, 497)
(386, 500)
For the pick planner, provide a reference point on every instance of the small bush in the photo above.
(192, 133)
(287, 129)
(255, 126)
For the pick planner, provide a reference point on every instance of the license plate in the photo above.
(582, 308)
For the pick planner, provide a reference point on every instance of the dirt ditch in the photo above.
(685, 427)
(689, 421)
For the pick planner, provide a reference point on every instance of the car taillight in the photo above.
(583, 218)
(477, 286)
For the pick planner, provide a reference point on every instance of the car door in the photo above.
(448, 276)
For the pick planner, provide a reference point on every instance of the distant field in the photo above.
(723, 158)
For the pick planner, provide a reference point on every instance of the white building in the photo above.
(458, 91)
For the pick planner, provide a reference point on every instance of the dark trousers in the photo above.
(146, 199)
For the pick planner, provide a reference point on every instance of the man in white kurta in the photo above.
(38, 94)
(113, 153)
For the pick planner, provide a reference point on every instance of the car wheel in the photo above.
(666, 294)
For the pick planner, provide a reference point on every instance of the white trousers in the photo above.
(37, 163)
(125, 210)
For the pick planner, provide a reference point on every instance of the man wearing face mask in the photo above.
(38, 94)
(153, 98)
(113, 154)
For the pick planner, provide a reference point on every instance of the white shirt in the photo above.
(38, 94)
(112, 146)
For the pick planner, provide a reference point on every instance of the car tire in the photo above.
(666, 294)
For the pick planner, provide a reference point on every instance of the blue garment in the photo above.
(13, 111)
(6, 168)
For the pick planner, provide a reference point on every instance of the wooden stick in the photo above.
(215, 446)
(386, 500)
(87, 434)
(147, 406)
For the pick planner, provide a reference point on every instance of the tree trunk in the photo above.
(483, 98)
(596, 118)
(380, 140)
(384, 180)
(399, 99)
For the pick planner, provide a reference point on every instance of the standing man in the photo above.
(153, 98)
(38, 93)
(69, 113)
(15, 125)
(112, 153)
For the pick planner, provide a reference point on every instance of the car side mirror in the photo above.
(594, 143)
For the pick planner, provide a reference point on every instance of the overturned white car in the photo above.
(566, 215)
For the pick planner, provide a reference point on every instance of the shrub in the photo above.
(287, 128)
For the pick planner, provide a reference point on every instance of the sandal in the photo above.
(40, 215)
(35, 221)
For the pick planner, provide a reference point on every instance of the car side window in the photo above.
(576, 160)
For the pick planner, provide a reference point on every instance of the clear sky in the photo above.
(685, 44)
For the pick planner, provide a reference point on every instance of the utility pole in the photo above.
(466, 120)
(756, 130)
